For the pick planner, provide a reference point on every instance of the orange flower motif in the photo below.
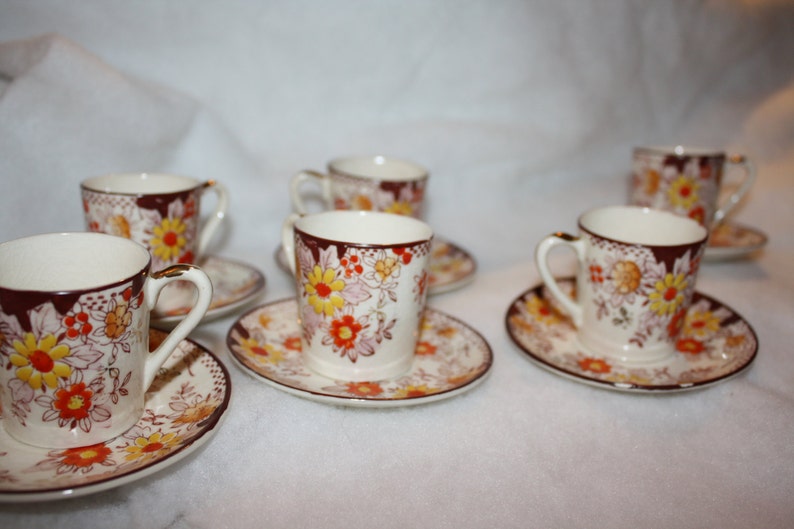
(596, 365)
(735, 341)
(345, 331)
(85, 456)
(425, 349)
(364, 389)
(690, 346)
(652, 182)
(73, 403)
(293, 343)
(362, 202)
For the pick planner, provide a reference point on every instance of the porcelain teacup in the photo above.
(74, 335)
(366, 183)
(636, 275)
(361, 280)
(160, 211)
(688, 180)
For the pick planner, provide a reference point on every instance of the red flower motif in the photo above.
(345, 331)
(85, 456)
(73, 403)
(690, 346)
(77, 325)
(596, 365)
(404, 254)
(425, 349)
(596, 274)
(364, 389)
(676, 323)
(293, 343)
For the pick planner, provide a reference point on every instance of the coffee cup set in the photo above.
(86, 407)
(631, 320)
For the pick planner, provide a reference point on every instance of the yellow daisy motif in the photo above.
(145, 448)
(323, 288)
(169, 239)
(400, 208)
(701, 324)
(683, 192)
(37, 361)
(668, 294)
(541, 311)
(262, 353)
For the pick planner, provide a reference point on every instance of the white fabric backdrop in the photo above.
(525, 112)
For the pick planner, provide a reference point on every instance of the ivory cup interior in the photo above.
(379, 168)
(646, 226)
(140, 183)
(65, 262)
(366, 228)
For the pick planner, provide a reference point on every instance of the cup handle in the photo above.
(309, 176)
(151, 291)
(212, 224)
(288, 239)
(542, 250)
(744, 187)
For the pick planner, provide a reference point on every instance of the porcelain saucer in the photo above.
(716, 344)
(183, 409)
(234, 285)
(451, 267)
(451, 358)
(733, 241)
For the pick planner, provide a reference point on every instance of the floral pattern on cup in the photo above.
(183, 407)
(70, 365)
(630, 284)
(401, 198)
(334, 285)
(167, 225)
(686, 185)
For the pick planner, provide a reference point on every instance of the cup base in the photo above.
(50, 436)
(628, 355)
(358, 373)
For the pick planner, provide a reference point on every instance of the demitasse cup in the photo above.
(74, 335)
(361, 282)
(159, 211)
(366, 183)
(687, 181)
(636, 275)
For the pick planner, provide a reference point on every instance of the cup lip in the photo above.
(645, 210)
(362, 214)
(93, 185)
(378, 159)
(93, 287)
(680, 151)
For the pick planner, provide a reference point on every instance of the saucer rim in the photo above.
(724, 253)
(628, 387)
(359, 402)
(215, 313)
(136, 474)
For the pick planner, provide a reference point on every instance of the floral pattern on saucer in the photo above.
(183, 408)
(715, 344)
(451, 266)
(730, 240)
(234, 284)
(451, 358)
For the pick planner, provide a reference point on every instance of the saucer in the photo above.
(732, 241)
(234, 284)
(183, 409)
(451, 266)
(451, 358)
(716, 344)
